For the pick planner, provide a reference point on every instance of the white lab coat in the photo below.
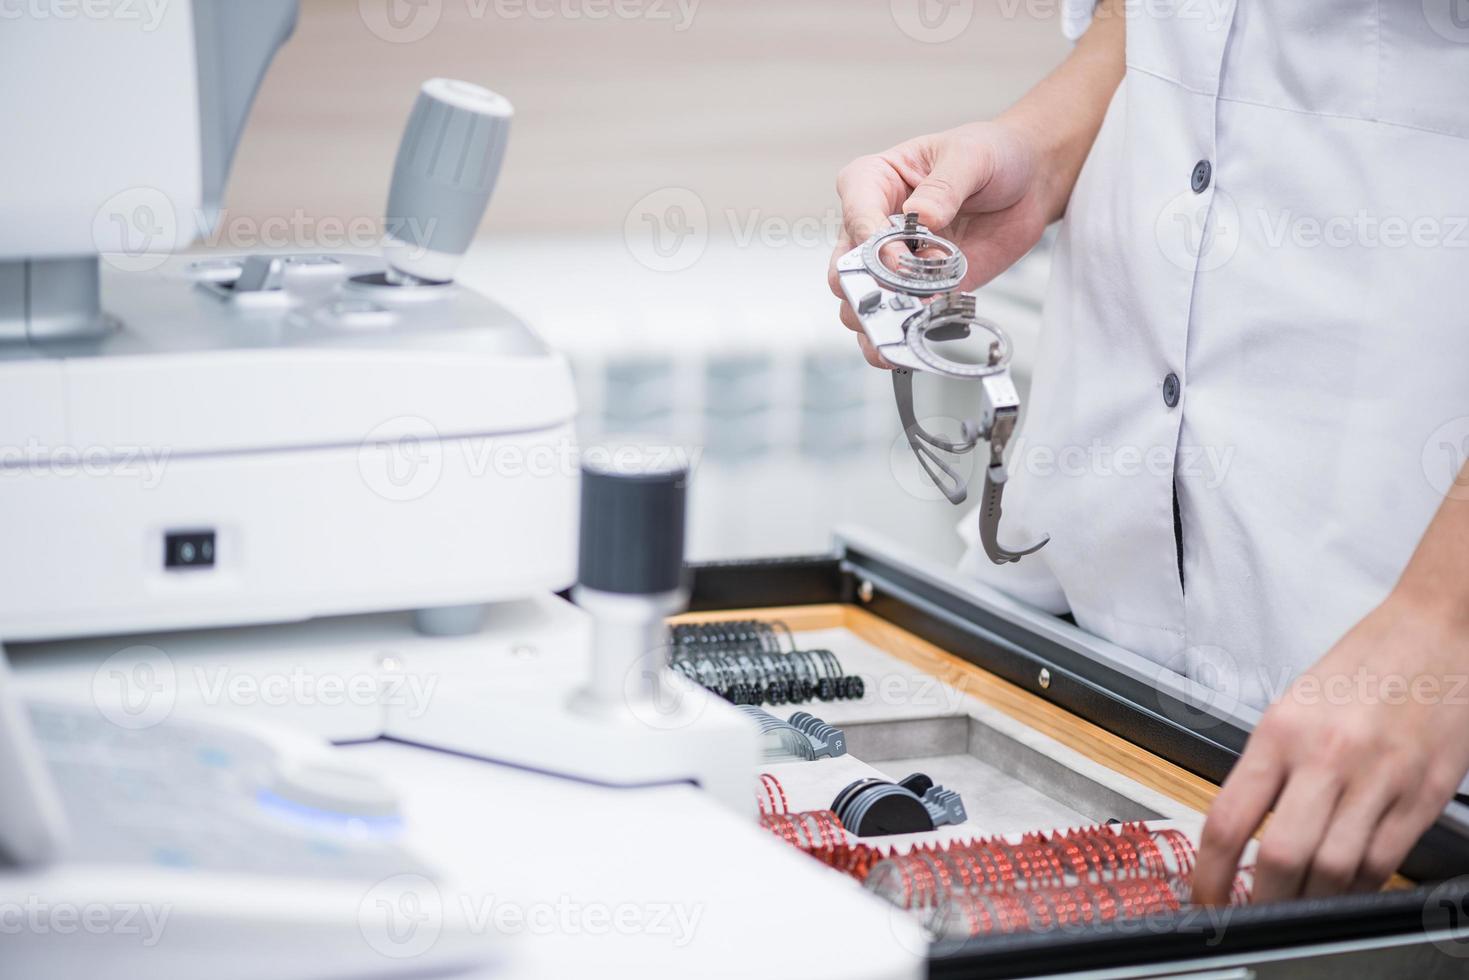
(1313, 303)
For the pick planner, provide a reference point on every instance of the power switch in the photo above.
(188, 549)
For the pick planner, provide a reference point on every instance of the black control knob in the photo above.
(632, 525)
(631, 577)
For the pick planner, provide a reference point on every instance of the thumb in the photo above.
(959, 171)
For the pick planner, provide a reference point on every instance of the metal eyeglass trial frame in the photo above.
(888, 304)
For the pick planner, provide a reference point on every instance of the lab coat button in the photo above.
(1203, 170)
(1171, 388)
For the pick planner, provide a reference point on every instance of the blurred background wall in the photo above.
(666, 212)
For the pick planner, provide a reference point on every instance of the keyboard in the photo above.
(189, 795)
(256, 852)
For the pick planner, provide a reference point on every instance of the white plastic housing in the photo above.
(75, 180)
(426, 460)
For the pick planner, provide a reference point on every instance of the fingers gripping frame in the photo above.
(900, 327)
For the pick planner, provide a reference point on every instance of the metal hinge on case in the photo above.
(888, 301)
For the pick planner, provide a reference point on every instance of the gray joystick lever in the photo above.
(446, 169)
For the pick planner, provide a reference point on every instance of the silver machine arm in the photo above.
(890, 304)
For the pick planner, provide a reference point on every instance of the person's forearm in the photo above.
(1436, 580)
(1061, 115)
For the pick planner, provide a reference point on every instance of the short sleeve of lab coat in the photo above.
(1076, 17)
